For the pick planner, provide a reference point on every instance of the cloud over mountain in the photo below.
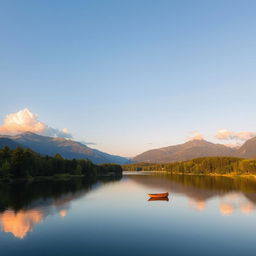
(229, 135)
(25, 121)
(196, 136)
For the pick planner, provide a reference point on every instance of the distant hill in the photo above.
(248, 149)
(67, 148)
(189, 150)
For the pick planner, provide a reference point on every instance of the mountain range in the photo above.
(195, 149)
(69, 149)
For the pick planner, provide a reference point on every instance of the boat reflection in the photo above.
(233, 193)
(158, 199)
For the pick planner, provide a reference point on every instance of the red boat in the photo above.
(160, 195)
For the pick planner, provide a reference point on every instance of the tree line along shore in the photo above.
(204, 165)
(23, 163)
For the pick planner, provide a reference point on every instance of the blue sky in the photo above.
(130, 75)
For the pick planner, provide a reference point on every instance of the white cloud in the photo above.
(25, 121)
(65, 130)
(196, 136)
(229, 135)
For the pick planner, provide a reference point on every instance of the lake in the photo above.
(204, 216)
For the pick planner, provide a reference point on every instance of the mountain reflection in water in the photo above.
(212, 215)
(233, 193)
(24, 205)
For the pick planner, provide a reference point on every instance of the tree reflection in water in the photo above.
(23, 205)
(234, 193)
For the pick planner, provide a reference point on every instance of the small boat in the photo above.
(160, 195)
(158, 199)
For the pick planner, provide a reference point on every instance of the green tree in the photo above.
(78, 170)
(5, 170)
(18, 163)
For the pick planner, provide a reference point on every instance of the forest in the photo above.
(204, 165)
(23, 163)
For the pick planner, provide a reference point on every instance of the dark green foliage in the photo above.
(5, 170)
(204, 165)
(112, 168)
(24, 163)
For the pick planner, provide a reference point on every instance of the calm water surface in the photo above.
(204, 216)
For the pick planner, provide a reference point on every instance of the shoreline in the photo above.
(231, 175)
(58, 177)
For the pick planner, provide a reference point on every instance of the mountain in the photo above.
(72, 149)
(189, 150)
(9, 143)
(248, 149)
(67, 148)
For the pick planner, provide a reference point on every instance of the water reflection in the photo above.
(24, 205)
(236, 202)
(20, 223)
(63, 213)
(214, 216)
(158, 199)
(247, 208)
(233, 193)
(198, 205)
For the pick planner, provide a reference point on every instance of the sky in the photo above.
(127, 76)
